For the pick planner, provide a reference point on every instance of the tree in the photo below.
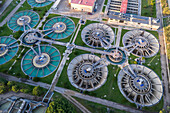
(166, 11)
(24, 90)
(152, 2)
(10, 84)
(167, 33)
(36, 91)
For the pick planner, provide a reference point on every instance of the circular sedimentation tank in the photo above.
(141, 43)
(97, 35)
(26, 37)
(117, 57)
(8, 48)
(140, 85)
(23, 20)
(59, 27)
(39, 3)
(87, 72)
(40, 61)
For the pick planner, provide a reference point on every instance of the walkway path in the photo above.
(76, 46)
(76, 94)
(12, 13)
(76, 34)
(118, 36)
(164, 60)
(6, 4)
(49, 93)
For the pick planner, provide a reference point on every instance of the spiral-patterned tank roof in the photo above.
(59, 27)
(87, 72)
(8, 48)
(23, 20)
(39, 3)
(97, 35)
(40, 61)
(140, 85)
(141, 43)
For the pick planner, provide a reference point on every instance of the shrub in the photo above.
(36, 79)
(145, 6)
(15, 88)
(24, 90)
(36, 91)
(10, 84)
(5, 71)
(2, 89)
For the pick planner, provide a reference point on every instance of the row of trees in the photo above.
(166, 10)
(60, 105)
(6, 86)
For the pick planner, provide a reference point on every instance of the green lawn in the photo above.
(25, 6)
(105, 2)
(103, 10)
(148, 9)
(16, 69)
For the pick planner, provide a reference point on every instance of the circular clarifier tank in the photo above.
(40, 61)
(39, 3)
(8, 48)
(23, 20)
(59, 27)
(87, 72)
(140, 85)
(97, 35)
(26, 37)
(117, 57)
(141, 43)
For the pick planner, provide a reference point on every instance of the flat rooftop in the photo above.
(135, 18)
(84, 2)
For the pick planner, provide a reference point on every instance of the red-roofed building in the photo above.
(82, 5)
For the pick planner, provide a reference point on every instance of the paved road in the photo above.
(6, 4)
(164, 60)
(75, 94)
(11, 13)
